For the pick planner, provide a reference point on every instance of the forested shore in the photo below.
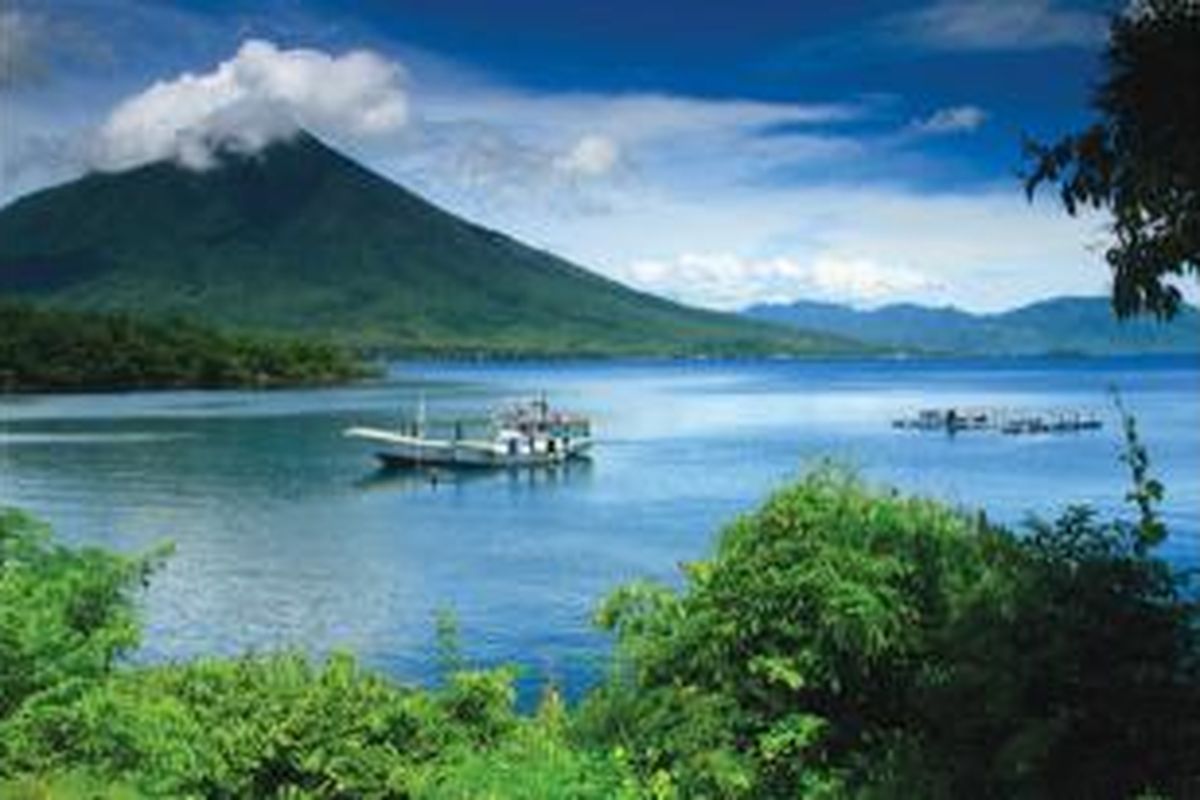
(55, 350)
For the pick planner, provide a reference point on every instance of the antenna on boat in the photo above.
(421, 414)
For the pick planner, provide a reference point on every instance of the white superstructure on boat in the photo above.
(527, 434)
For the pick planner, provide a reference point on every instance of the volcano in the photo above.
(299, 238)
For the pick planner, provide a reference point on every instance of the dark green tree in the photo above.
(1140, 159)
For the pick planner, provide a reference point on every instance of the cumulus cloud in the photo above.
(863, 280)
(1007, 25)
(591, 155)
(262, 94)
(717, 280)
(957, 119)
(730, 282)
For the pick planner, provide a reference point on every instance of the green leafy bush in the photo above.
(845, 641)
(68, 786)
(65, 615)
(282, 726)
(215, 729)
(539, 758)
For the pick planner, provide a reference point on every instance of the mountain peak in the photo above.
(301, 145)
(298, 237)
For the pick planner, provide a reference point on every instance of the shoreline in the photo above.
(377, 372)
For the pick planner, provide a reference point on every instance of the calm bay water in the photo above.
(286, 536)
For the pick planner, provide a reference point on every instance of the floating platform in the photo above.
(1009, 421)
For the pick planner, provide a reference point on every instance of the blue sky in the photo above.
(719, 153)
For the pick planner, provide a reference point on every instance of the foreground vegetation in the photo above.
(842, 642)
(55, 350)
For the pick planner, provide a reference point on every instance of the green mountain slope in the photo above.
(1083, 325)
(302, 239)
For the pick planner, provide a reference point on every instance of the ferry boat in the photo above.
(522, 435)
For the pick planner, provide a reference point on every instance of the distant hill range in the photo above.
(1083, 325)
(300, 238)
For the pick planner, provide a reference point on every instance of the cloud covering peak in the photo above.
(261, 95)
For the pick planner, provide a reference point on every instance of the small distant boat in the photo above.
(522, 435)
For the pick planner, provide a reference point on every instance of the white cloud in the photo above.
(501, 155)
(730, 282)
(984, 249)
(590, 156)
(706, 206)
(956, 119)
(1003, 25)
(715, 280)
(690, 215)
(488, 172)
(862, 280)
(261, 95)
(588, 132)
(629, 118)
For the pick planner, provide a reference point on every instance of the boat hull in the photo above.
(396, 459)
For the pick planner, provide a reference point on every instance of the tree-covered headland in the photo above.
(46, 349)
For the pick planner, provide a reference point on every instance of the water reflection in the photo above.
(421, 479)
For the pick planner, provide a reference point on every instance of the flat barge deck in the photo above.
(1009, 421)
